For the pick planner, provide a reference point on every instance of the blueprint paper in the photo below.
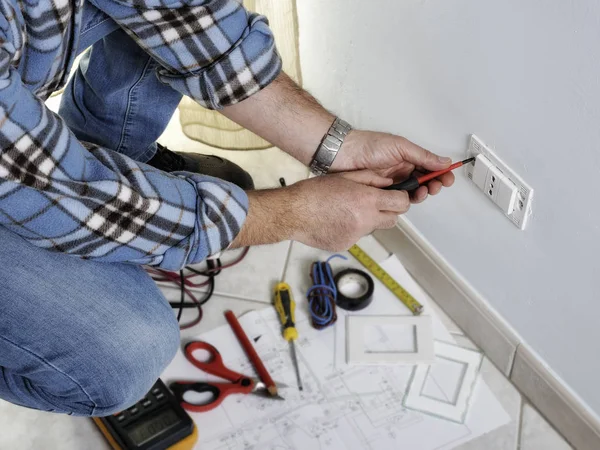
(341, 406)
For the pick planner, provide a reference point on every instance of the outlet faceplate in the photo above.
(507, 190)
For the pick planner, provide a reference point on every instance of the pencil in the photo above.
(263, 373)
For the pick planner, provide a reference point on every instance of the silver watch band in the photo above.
(329, 147)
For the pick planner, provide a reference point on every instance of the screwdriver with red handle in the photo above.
(414, 182)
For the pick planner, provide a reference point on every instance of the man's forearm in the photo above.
(285, 115)
(271, 218)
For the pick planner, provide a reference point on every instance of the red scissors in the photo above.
(240, 384)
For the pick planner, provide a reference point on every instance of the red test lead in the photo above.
(413, 182)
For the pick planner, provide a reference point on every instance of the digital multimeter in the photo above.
(156, 422)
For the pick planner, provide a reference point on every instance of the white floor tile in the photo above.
(253, 278)
(506, 437)
(212, 311)
(256, 275)
(213, 314)
(537, 434)
(463, 340)
(27, 429)
(446, 320)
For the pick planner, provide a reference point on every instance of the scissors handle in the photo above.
(218, 391)
(214, 365)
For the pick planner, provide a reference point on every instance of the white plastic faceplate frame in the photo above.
(456, 409)
(520, 215)
(358, 354)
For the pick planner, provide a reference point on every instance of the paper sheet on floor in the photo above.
(341, 406)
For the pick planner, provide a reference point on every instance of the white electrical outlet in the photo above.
(492, 183)
(499, 183)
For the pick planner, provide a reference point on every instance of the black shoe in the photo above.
(214, 166)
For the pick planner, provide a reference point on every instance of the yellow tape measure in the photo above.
(387, 280)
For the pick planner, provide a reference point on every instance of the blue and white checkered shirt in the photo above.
(84, 200)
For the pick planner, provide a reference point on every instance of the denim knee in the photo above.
(122, 376)
(76, 336)
(109, 373)
(92, 372)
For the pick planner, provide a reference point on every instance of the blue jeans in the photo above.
(76, 336)
(114, 99)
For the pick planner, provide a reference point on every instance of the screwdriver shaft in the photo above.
(295, 360)
(285, 307)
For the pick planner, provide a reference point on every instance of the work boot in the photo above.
(214, 166)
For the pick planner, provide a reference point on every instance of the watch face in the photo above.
(140, 433)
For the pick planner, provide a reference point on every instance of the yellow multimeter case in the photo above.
(156, 422)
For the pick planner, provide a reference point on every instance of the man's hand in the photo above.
(392, 156)
(331, 212)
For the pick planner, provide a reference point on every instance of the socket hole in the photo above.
(490, 191)
(493, 179)
(521, 204)
(492, 185)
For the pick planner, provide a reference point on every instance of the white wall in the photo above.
(524, 75)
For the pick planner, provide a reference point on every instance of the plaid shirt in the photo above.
(77, 198)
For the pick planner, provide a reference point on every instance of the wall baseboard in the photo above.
(496, 338)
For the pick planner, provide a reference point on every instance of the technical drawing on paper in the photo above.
(341, 406)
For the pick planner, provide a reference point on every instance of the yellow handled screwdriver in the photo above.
(285, 306)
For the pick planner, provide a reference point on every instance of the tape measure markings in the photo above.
(409, 301)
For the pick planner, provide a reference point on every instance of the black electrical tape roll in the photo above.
(362, 298)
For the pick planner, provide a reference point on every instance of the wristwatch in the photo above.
(329, 147)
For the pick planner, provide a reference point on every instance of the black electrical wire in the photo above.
(214, 268)
(181, 303)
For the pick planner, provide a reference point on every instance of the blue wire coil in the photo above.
(322, 294)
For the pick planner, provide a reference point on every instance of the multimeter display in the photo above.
(144, 432)
(156, 422)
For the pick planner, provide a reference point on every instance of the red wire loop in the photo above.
(165, 276)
